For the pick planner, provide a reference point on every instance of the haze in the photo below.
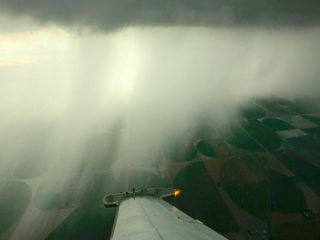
(60, 86)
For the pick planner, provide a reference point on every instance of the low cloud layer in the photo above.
(154, 83)
(111, 15)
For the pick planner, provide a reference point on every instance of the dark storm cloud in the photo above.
(114, 14)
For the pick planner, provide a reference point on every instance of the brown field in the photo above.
(304, 230)
(276, 165)
(214, 166)
(281, 218)
(174, 168)
(312, 199)
(236, 236)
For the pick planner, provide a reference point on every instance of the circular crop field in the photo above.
(29, 169)
(181, 152)
(253, 111)
(206, 149)
(286, 196)
(47, 199)
(202, 131)
(263, 135)
(83, 224)
(252, 193)
(246, 193)
(201, 199)
(276, 124)
(14, 199)
(315, 119)
(239, 138)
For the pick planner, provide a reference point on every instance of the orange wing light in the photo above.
(176, 192)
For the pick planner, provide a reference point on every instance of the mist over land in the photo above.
(137, 80)
(156, 82)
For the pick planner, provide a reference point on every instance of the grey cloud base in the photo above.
(110, 15)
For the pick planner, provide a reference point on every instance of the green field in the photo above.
(240, 169)
(285, 196)
(304, 171)
(278, 106)
(252, 111)
(29, 169)
(247, 194)
(206, 149)
(201, 199)
(14, 200)
(47, 198)
(253, 196)
(304, 142)
(91, 220)
(239, 138)
(201, 131)
(276, 124)
(314, 132)
(83, 224)
(263, 135)
(306, 105)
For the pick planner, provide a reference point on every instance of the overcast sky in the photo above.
(110, 15)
